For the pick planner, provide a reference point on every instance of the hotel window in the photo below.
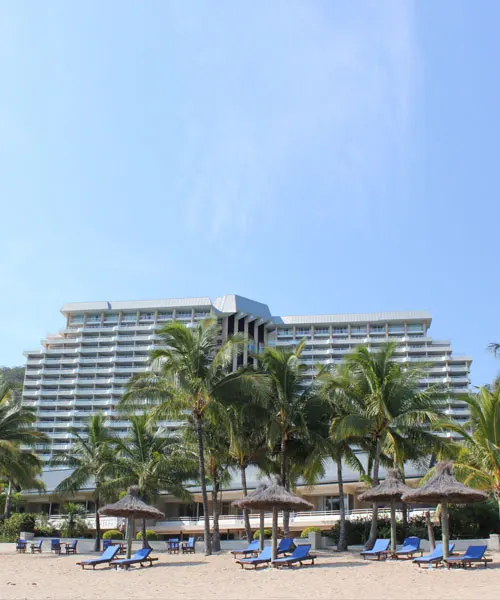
(94, 319)
(302, 331)
(285, 331)
(358, 329)
(415, 328)
(396, 328)
(129, 318)
(77, 319)
(147, 316)
(377, 329)
(164, 316)
(202, 314)
(112, 317)
(321, 331)
(339, 330)
(183, 314)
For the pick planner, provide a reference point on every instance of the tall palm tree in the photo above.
(19, 465)
(293, 406)
(478, 462)
(191, 371)
(92, 458)
(335, 384)
(385, 403)
(247, 441)
(154, 461)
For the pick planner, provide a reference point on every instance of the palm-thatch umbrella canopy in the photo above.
(131, 507)
(390, 490)
(444, 488)
(273, 497)
(258, 489)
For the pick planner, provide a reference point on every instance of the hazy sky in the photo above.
(319, 156)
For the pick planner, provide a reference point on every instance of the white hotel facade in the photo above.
(85, 367)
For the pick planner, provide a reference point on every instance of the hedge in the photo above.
(306, 531)
(151, 535)
(267, 534)
(112, 534)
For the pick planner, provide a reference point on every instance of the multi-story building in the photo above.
(85, 367)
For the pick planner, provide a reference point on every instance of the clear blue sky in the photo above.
(319, 156)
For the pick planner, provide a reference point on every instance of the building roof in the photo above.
(342, 318)
(75, 307)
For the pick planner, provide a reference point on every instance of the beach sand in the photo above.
(198, 577)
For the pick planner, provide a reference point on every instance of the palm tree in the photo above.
(478, 462)
(19, 466)
(191, 371)
(294, 410)
(385, 403)
(92, 457)
(334, 384)
(152, 460)
(247, 441)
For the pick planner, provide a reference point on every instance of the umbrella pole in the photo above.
(275, 533)
(130, 533)
(261, 537)
(445, 526)
(393, 525)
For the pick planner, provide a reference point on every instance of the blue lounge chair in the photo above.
(263, 558)
(472, 554)
(141, 557)
(252, 548)
(189, 547)
(55, 546)
(285, 546)
(36, 547)
(21, 545)
(379, 549)
(106, 544)
(435, 557)
(299, 555)
(105, 558)
(410, 547)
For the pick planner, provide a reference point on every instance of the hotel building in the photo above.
(85, 367)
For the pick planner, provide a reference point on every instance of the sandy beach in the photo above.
(195, 577)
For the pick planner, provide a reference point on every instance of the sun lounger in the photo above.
(435, 557)
(189, 547)
(263, 558)
(141, 557)
(299, 555)
(105, 558)
(379, 550)
(473, 554)
(410, 547)
(21, 545)
(252, 548)
(36, 547)
(285, 546)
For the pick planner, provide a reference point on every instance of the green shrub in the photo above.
(12, 527)
(267, 534)
(151, 535)
(306, 531)
(112, 534)
(46, 531)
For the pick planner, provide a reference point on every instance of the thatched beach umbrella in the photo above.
(443, 488)
(131, 507)
(390, 490)
(236, 504)
(274, 497)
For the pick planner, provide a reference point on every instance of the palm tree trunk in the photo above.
(373, 527)
(97, 545)
(430, 530)
(393, 525)
(246, 512)
(215, 502)
(286, 513)
(342, 541)
(8, 501)
(203, 483)
(145, 543)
